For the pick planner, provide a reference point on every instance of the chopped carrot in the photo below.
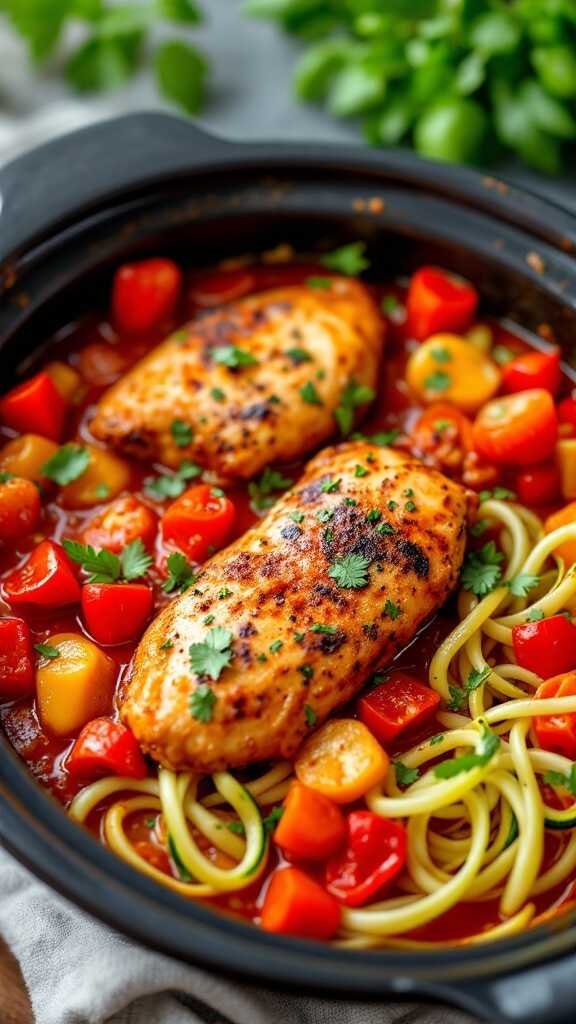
(342, 760)
(311, 827)
(297, 905)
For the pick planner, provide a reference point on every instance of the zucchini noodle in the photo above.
(474, 834)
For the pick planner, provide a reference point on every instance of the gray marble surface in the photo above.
(250, 95)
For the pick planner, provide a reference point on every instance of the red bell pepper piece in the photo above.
(47, 579)
(547, 647)
(35, 407)
(538, 485)
(557, 732)
(297, 905)
(119, 524)
(105, 747)
(17, 675)
(311, 827)
(439, 301)
(533, 370)
(374, 854)
(144, 294)
(566, 410)
(400, 703)
(115, 613)
(199, 521)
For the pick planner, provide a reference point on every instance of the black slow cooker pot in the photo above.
(150, 184)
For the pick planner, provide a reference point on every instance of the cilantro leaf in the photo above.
(182, 433)
(499, 494)
(392, 610)
(298, 356)
(350, 571)
(475, 679)
(296, 517)
(262, 491)
(405, 776)
(201, 703)
(67, 464)
(309, 394)
(329, 486)
(438, 381)
(481, 571)
(181, 575)
(535, 615)
(520, 585)
(488, 746)
(353, 396)
(310, 716)
(5, 477)
(47, 651)
(102, 566)
(165, 486)
(348, 259)
(232, 357)
(272, 819)
(321, 627)
(135, 560)
(213, 654)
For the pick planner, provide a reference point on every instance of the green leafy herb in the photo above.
(105, 567)
(481, 571)
(307, 671)
(212, 655)
(330, 486)
(232, 357)
(296, 517)
(217, 394)
(459, 696)
(182, 433)
(47, 651)
(349, 501)
(320, 627)
(567, 781)
(392, 610)
(262, 492)
(488, 746)
(390, 305)
(236, 827)
(298, 356)
(183, 873)
(438, 381)
(513, 831)
(350, 571)
(353, 396)
(324, 515)
(520, 585)
(181, 575)
(5, 477)
(209, 619)
(405, 776)
(410, 506)
(310, 716)
(272, 819)
(499, 494)
(319, 282)
(479, 527)
(374, 515)
(441, 354)
(224, 592)
(502, 355)
(360, 470)
(135, 560)
(436, 739)
(181, 72)
(535, 615)
(101, 491)
(150, 822)
(391, 505)
(161, 487)
(67, 464)
(348, 259)
(309, 394)
(276, 646)
(167, 645)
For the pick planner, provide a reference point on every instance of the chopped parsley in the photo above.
(392, 610)
(392, 505)
(360, 470)
(390, 304)
(481, 571)
(101, 491)
(299, 637)
(535, 615)
(309, 394)
(349, 501)
(384, 528)
(441, 355)
(181, 575)
(319, 282)
(172, 486)
(150, 822)
(105, 567)
(262, 492)
(349, 259)
(330, 486)
(405, 776)
(298, 356)
(458, 695)
(310, 716)
(520, 585)
(232, 357)
(296, 517)
(479, 527)
(499, 494)
(324, 515)
(567, 781)
(353, 396)
(487, 747)
(272, 819)
(438, 381)
(67, 464)
(261, 657)
(217, 394)
(436, 739)
(202, 702)
(410, 506)
(320, 627)
(236, 827)
(209, 620)
(307, 671)
(328, 535)
(502, 355)
(5, 477)
(224, 592)
(211, 655)
(374, 515)
(350, 571)
(47, 651)
(167, 645)
(276, 646)
(182, 433)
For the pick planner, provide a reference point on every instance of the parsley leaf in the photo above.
(350, 571)
(67, 464)
(262, 491)
(182, 433)
(47, 651)
(353, 396)
(535, 615)
(217, 394)
(438, 381)
(213, 654)
(296, 517)
(487, 747)
(348, 259)
(391, 609)
(360, 471)
(181, 575)
(165, 486)
(276, 646)
(475, 679)
(298, 356)
(309, 394)
(232, 357)
(102, 566)
(320, 627)
(135, 560)
(436, 739)
(310, 716)
(441, 355)
(5, 477)
(499, 494)
(329, 486)
(236, 827)
(405, 776)
(520, 585)
(481, 571)
(201, 703)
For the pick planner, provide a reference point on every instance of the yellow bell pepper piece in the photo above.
(342, 760)
(74, 687)
(104, 478)
(67, 380)
(26, 455)
(566, 459)
(449, 369)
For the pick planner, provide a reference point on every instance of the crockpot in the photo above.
(153, 184)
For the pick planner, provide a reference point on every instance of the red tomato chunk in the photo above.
(533, 370)
(144, 294)
(16, 661)
(105, 747)
(47, 579)
(119, 524)
(398, 704)
(199, 522)
(547, 647)
(116, 613)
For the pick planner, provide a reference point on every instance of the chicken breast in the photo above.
(256, 381)
(288, 622)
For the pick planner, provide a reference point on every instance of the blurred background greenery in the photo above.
(461, 80)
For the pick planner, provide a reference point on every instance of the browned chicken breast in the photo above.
(289, 621)
(257, 381)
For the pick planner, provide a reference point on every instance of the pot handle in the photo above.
(541, 995)
(55, 181)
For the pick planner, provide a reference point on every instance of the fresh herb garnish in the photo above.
(309, 394)
(502, 355)
(350, 571)
(441, 355)
(167, 645)
(298, 356)
(410, 506)
(520, 585)
(458, 695)
(353, 396)
(360, 471)
(391, 505)
(392, 610)
(276, 646)
(374, 515)
(272, 819)
(348, 259)
(436, 739)
(390, 304)
(488, 746)
(165, 486)
(499, 494)
(330, 486)
(405, 776)
(481, 571)
(310, 716)
(324, 515)
(182, 433)
(224, 592)
(211, 655)
(306, 670)
(262, 492)
(236, 827)
(5, 477)
(479, 527)
(181, 575)
(385, 528)
(47, 651)
(438, 381)
(202, 701)
(296, 517)
(232, 357)
(319, 282)
(67, 464)
(217, 394)
(535, 615)
(105, 567)
(320, 627)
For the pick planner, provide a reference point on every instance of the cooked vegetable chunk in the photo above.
(74, 683)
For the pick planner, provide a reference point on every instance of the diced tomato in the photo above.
(566, 411)
(47, 579)
(439, 301)
(533, 370)
(297, 905)
(311, 826)
(375, 852)
(539, 485)
(144, 294)
(199, 521)
(16, 662)
(557, 732)
(115, 613)
(36, 407)
(105, 747)
(400, 703)
(221, 286)
(517, 430)
(19, 508)
(119, 524)
(546, 647)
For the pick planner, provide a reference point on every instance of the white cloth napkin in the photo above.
(78, 971)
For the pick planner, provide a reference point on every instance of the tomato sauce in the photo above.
(102, 355)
